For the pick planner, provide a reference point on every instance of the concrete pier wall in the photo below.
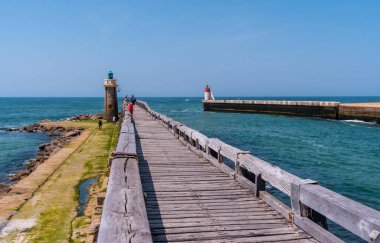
(328, 110)
(361, 111)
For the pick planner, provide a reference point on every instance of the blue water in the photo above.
(343, 156)
(17, 147)
(84, 193)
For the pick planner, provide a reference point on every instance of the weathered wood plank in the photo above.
(114, 206)
(213, 228)
(253, 233)
(357, 218)
(166, 225)
(272, 174)
(269, 238)
(185, 192)
(124, 217)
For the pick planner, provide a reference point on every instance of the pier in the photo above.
(171, 183)
(329, 110)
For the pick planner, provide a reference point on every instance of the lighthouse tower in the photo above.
(208, 94)
(110, 98)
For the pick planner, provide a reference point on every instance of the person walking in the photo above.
(133, 99)
(100, 124)
(130, 108)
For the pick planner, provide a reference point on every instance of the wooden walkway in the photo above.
(190, 200)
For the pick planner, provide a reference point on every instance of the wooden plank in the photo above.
(253, 233)
(124, 217)
(192, 197)
(275, 204)
(269, 238)
(203, 206)
(211, 228)
(357, 218)
(186, 193)
(270, 173)
(202, 214)
(203, 200)
(200, 193)
(138, 226)
(206, 211)
(114, 223)
(206, 206)
(229, 218)
(202, 139)
(165, 225)
(316, 231)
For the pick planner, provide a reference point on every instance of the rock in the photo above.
(71, 134)
(82, 117)
(30, 128)
(94, 227)
(65, 135)
(4, 188)
(31, 163)
(46, 121)
(44, 146)
(55, 133)
(20, 174)
(12, 129)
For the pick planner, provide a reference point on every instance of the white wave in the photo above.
(185, 110)
(313, 143)
(10, 129)
(359, 122)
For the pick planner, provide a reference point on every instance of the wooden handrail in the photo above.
(353, 216)
(124, 216)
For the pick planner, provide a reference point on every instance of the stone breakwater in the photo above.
(91, 117)
(63, 135)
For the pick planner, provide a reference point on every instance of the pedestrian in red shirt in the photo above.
(130, 108)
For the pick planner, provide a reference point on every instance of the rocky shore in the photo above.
(62, 136)
(87, 117)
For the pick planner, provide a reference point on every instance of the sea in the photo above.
(343, 156)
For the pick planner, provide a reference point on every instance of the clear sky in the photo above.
(174, 48)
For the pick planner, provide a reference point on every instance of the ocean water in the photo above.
(18, 147)
(343, 156)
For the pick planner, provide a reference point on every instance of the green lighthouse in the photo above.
(110, 99)
(110, 75)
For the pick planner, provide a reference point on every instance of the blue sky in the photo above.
(174, 48)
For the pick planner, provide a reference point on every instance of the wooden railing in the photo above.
(310, 202)
(124, 217)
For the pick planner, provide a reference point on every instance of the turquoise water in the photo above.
(84, 194)
(17, 147)
(343, 156)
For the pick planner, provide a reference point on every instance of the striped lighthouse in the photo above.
(208, 94)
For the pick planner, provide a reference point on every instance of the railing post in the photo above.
(374, 236)
(303, 210)
(175, 129)
(220, 157)
(259, 184)
(197, 144)
(238, 170)
(207, 151)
